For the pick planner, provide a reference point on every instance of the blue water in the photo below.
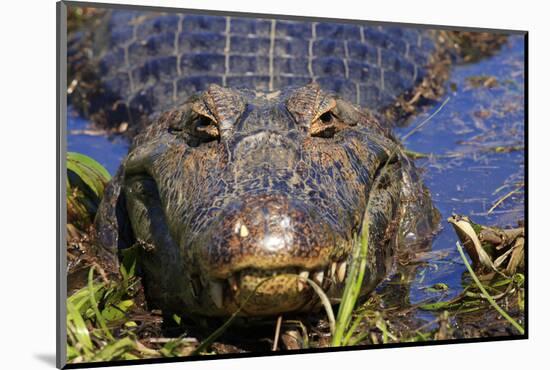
(84, 138)
(464, 175)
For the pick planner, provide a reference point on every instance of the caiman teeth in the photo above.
(216, 293)
(195, 287)
(303, 280)
(233, 283)
(342, 271)
(318, 277)
(333, 266)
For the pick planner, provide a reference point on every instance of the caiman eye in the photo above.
(326, 117)
(326, 126)
(202, 129)
(205, 126)
(195, 128)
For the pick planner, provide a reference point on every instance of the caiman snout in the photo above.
(267, 232)
(269, 245)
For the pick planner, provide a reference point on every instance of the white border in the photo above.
(28, 180)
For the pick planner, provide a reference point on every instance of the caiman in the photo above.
(262, 153)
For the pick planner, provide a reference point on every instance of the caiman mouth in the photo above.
(266, 292)
(260, 254)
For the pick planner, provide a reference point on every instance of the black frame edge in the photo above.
(87, 365)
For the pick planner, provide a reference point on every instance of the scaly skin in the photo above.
(234, 187)
(138, 64)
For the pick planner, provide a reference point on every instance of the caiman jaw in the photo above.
(293, 289)
(268, 246)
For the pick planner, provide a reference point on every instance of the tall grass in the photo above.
(99, 327)
(344, 329)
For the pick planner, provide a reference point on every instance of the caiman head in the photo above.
(234, 199)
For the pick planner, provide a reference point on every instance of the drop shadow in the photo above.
(46, 358)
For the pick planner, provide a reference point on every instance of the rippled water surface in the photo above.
(477, 147)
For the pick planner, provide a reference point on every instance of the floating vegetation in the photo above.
(519, 188)
(486, 295)
(482, 81)
(491, 248)
(497, 257)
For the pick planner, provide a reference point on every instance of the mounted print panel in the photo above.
(248, 185)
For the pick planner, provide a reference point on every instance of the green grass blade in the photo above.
(326, 304)
(355, 340)
(352, 288)
(351, 330)
(93, 174)
(81, 298)
(487, 296)
(77, 325)
(212, 337)
(114, 350)
(99, 317)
